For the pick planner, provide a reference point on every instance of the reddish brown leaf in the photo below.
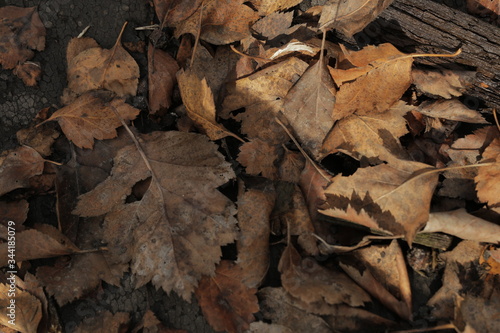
(258, 157)
(29, 72)
(92, 116)
(22, 31)
(161, 78)
(17, 167)
(225, 301)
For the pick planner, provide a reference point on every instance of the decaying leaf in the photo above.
(92, 116)
(274, 24)
(161, 78)
(384, 197)
(225, 301)
(259, 157)
(21, 31)
(261, 327)
(488, 178)
(14, 211)
(350, 17)
(444, 83)
(17, 167)
(199, 102)
(452, 109)
(254, 208)
(181, 221)
(172, 12)
(27, 311)
(97, 68)
(104, 322)
(267, 7)
(309, 105)
(30, 72)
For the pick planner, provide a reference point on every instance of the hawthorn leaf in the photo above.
(172, 236)
(444, 83)
(451, 109)
(17, 167)
(390, 198)
(488, 177)
(92, 116)
(222, 21)
(161, 78)
(227, 303)
(259, 157)
(350, 17)
(28, 309)
(98, 68)
(199, 101)
(22, 32)
(308, 106)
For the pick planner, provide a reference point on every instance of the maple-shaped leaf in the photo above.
(488, 177)
(172, 236)
(92, 116)
(27, 308)
(306, 280)
(351, 17)
(17, 167)
(309, 107)
(259, 157)
(364, 91)
(22, 31)
(373, 136)
(98, 68)
(267, 7)
(161, 78)
(391, 198)
(199, 101)
(222, 21)
(227, 304)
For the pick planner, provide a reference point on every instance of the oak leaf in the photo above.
(225, 301)
(92, 116)
(27, 311)
(488, 177)
(172, 236)
(161, 78)
(17, 167)
(22, 31)
(350, 17)
(309, 105)
(395, 199)
(97, 68)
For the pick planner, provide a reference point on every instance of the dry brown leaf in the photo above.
(104, 322)
(366, 94)
(374, 137)
(27, 309)
(17, 167)
(254, 208)
(40, 139)
(452, 110)
(262, 95)
(222, 21)
(29, 72)
(33, 286)
(92, 116)
(477, 314)
(266, 7)
(161, 78)
(306, 280)
(488, 177)
(259, 157)
(291, 166)
(150, 324)
(97, 68)
(393, 197)
(348, 319)
(261, 327)
(78, 45)
(281, 309)
(199, 101)
(463, 225)
(22, 31)
(350, 17)
(226, 302)
(172, 12)
(444, 83)
(274, 24)
(172, 236)
(308, 106)
(16, 211)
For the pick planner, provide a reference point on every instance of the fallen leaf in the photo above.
(92, 116)
(40, 139)
(306, 280)
(445, 83)
(476, 314)
(29, 72)
(261, 327)
(17, 167)
(350, 17)
(27, 311)
(97, 68)
(273, 25)
(161, 78)
(259, 157)
(43, 242)
(222, 22)
(150, 324)
(254, 209)
(291, 166)
(308, 106)
(16, 211)
(104, 322)
(451, 109)
(78, 45)
(463, 225)
(488, 177)
(267, 7)
(172, 12)
(22, 31)
(226, 302)
(199, 102)
(172, 236)
(33, 286)
(388, 198)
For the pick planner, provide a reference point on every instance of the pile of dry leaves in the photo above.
(306, 138)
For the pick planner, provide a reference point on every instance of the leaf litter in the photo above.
(305, 243)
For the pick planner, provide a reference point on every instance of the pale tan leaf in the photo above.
(267, 7)
(452, 110)
(444, 82)
(488, 177)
